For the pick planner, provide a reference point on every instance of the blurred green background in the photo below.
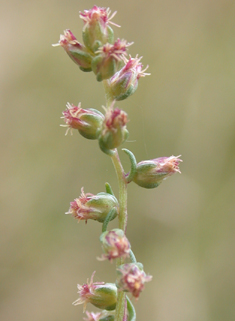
(183, 231)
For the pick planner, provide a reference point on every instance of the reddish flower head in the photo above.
(96, 31)
(87, 121)
(115, 245)
(95, 207)
(114, 131)
(151, 173)
(131, 278)
(108, 59)
(117, 50)
(125, 82)
(98, 14)
(76, 51)
(100, 294)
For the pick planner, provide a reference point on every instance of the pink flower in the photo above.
(117, 50)
(114, 131)
(76, 51)
(150, 173)
(131, 278)
(87, 121)
(102, 295)
(86, 291)
(95, 207)
(115, 245)
(125, 82)
(98, 14)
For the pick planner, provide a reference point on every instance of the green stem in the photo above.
(122, 190)
(122, 225)
(120, 307)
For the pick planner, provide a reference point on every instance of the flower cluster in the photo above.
(107, 58)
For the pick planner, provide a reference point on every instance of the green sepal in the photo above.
(111, 215)
(105, 297)
(110, 35)
(103, 203)
(132, 257)
(132, 158)
(81, 58)
(130, 310)
(108, 188)
(109, 152)
(92, 124)
(103, 68)
(111, 139)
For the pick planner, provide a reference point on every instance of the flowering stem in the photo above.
(122, 190)
(120, 307)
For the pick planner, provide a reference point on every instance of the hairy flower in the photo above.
(115, 245)
(108, 59)
(100, 294)
(98, 13)
(131, 278)
(87, 121)
(114, 131)
(117, 50)
(125, 82)
(150, 173)
(96, 30)
(95, 207)
(76, 51)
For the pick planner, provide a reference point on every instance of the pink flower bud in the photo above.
(94, 207)
(87, 121)
(115, 245)
(108, 59)
(96, 30)
(114, 131)
(76, 51)
(151, 173)
(131, 278)
(125, 82)
(102, 295)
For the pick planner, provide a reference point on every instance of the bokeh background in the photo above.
(182, 231)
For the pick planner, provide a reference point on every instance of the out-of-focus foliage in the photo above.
(183, 231)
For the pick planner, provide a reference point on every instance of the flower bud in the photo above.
(151, 173)
(87, 121)
(115, 245)
(102, 295)
(131, 278)
(96, 31)
(94, 207)
(76, 51)
(125, 82)
(114, 131)
(106, 63)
